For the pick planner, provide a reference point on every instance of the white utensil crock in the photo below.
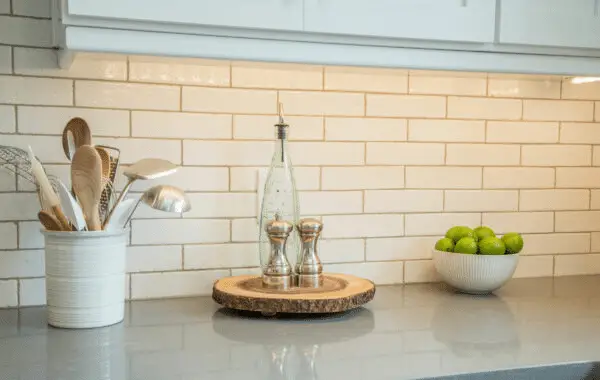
(85, 278)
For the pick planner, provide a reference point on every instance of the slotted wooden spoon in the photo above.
(86, 179)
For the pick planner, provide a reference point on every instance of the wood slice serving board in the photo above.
(340, 292)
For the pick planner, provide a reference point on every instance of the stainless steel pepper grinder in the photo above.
(309, 268)
(278, 272)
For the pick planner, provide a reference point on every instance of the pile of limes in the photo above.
(481, 240)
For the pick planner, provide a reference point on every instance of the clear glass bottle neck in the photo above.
(280, 155)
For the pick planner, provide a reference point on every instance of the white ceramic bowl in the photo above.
(475, 274)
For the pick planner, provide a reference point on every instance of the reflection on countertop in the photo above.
(406, 332)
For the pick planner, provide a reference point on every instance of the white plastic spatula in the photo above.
(71, 208)
(120, 216)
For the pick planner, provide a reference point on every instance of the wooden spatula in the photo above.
(86, 179)
(49, 221)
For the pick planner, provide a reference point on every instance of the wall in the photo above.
(390, 159)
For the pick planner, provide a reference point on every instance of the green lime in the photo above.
(491, 245)
(445, 244)
(482, 232)
(513, 242)
(458, 232)
(466, 245)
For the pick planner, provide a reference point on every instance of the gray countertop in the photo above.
(405, 332)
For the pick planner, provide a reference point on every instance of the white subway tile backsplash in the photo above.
(595, 241)
(222, 153)
(572, 265)
(438, 224)
(583, 91)
(28, 263)
(443, 178)
(446, 85)
(245, 178)
(5, 59)
(406, 106)
(595, 201)
(386, 201)
(482, 154)
(558, 110)
(401, 248)
(524, 88)
(331, 202)
(365, 225)
(25, 31)
(556, 155)
(577, 221)
(180, 125)
(522, 132)
(190, 178)
(261, 127)
(481, 200)
(385, 273)
(179, 231)
(246, 271)
(548, 244)
(327, 153)
(31, 8)
(7, 181)
(39, 91)
(362, 177)
(133, 150)
(243, 230)
(190, 71)
(534, 266)
(515, 178)
(229, 100)
(48, 149)
(341, 250)
(446, 130)
(30, 235)
(365, 129)
(596, 156)
(580, 133)
(5, 8)
(392, 153)
(366, 79)
(32, 292)
(7, 119)
(483, 108)
(126, 96)
(8, 235)
(214, 256)
(18, 206)
(174, 284)
(8, 293)
(154, 258)
(276, 75)
(522, 222)
(218, 205)
(548, 200)
(322, 103)
(420, 271)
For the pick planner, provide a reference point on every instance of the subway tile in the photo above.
(386, 201)
(38, 91)
(260, 127)
(226, 153)
(7, 119)
(597, 111)
(28, 263)
(524, 88)
(243, 230)
(189, 178)
(5, 7)
(276, 76)
(483, 108)
(5, 59)
(8, 235)
(481, 200)
(438, 224)
(596, 156)
(8, 293)
(322, 103)
(25, 32)
(522, 222)
(245, 178)
(595, 200)
(18, 206)
(547, 244)
(380, 273)
(229, 100)
(443, 178)
(446, 130)
(32, 8)
(354, 226)
(246, 271)
(48, 149)
(32, 292)
(126, 95)
(180, 125)
(366, 79)
(406, 105)
(482, 154)
(446, 85)
(154, 258)
(179, 231)
(43, 62)
(7, 181)
(218, 205)
(365, 129)
(572, 265)
(341, 250)
(582, 91)
(556, 155)
(174, 284)
(522, 132)
(362, 177)
(517, 178)
(391, 153)
(595, 241)
(420, 271)
(558, 110)
(331, 202)
(577, 221)
(52, 120)
(580, 133)
(190, 71)
(214, 256)
(30, 235)
(327, 153)
(548, 200)
(534, 266)
(402, 248)
(133, 150)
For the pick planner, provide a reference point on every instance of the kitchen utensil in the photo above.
(71, 208)
(121, 216)
(86, 179)
(16, 160)
(47, 191)
(147, 168)
(164, 198)
(81, 135)
(107, 193)
(49, 221)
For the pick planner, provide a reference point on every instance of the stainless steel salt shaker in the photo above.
(278, 272)
(309, 268)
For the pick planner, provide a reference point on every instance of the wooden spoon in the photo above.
(49, 221)
(81, 135)
(86, 179)
(105, 157)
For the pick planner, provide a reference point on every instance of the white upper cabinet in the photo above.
(436, 20)
(259, 14)
(560, 23)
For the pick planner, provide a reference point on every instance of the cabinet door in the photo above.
(441, 20)
(259, 14)
(563, 23)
